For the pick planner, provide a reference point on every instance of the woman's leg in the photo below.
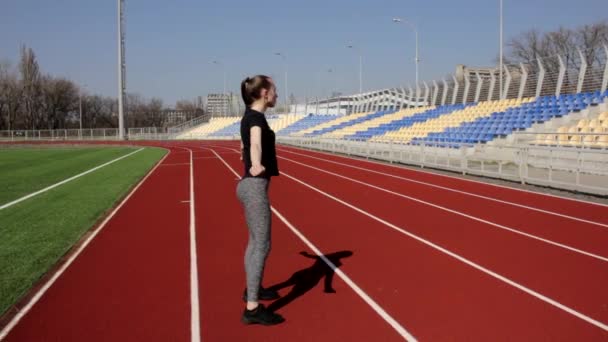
(253, 193)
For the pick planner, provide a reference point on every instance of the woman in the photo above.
(260, 162)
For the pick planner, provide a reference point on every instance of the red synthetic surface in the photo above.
(133, 281)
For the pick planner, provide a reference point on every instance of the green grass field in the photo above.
(36, 233)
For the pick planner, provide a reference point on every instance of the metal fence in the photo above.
(580, 140)
(149, 133)
(583, 71)
(60, 134)
(144, 133)
(189, 124)
(577, 169)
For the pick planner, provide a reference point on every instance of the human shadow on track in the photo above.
(306, 279)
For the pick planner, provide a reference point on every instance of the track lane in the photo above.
(311, 313)
(434, 295)
(576, 235)
(584, 210)
(131, 281)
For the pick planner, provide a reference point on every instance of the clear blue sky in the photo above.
(171, 43)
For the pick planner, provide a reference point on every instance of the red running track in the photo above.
(418, 255)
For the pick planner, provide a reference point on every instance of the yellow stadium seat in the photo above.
(590, 140)
(594, 123)
(341, 119)
(562, 138)
(574, 139)
(602, 141)
(551, 139)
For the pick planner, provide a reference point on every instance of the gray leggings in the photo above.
(253, 194)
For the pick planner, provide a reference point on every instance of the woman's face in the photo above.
(271, 95)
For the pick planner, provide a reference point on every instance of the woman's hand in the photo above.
(256, 170)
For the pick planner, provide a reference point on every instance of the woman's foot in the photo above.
(261, 315)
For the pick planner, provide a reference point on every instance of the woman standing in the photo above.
(260, 162)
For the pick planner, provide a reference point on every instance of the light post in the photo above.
(413, 26)
(360, 67)
(501, 55)
(284, 56)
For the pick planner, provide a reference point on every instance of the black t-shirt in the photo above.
(269, 157)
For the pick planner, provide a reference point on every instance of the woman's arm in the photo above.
(242, 147)
(256, 151)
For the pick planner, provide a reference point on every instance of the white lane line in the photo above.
(512, 230)
(453, 190)
(65, 181)
(194, 299)
(453, 177)
(379, 310)
(506, 280)
(550, 242)
(62, 269)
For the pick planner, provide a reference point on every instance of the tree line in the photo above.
(531, 45)
(33, 100)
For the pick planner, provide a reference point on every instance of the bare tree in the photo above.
(60, 98)
(10, 96)
(155, 114)
(531, 45)
(191, 108)
(590, 38)
(99, 111)
(145, 113)
(4, 71)
(186, 106)
(30, 99)
(30, 78)
(526, 47)
(133, 113)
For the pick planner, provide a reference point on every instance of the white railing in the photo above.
(143, 133)
(188, 124)
(148, 133)
(550, 75)
(570, 168)
(195, 136)
(60, 134)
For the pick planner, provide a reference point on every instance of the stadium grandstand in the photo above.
(462, 122)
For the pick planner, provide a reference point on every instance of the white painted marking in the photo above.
(454, 190)
(65, 181)
(506, 280)
(550, 242)
(457, 178)
(62, 269)
(379, 310)
(531, 236)
(194, 299)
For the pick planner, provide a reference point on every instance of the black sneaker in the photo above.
(263, 294)
(261, 315)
